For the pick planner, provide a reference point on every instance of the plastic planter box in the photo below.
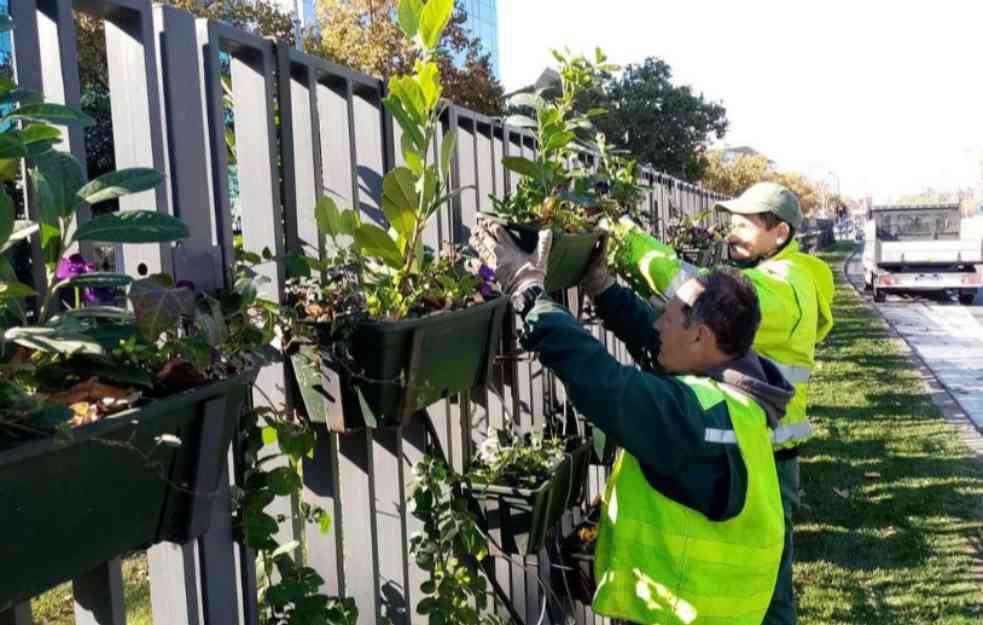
(400, 367)
(569, 255)
(117, 486)
(524, 518)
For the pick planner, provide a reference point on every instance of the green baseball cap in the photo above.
(766, 197)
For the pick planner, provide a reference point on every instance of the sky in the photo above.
(883, 97)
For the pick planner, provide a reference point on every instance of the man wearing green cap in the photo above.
(794, 291)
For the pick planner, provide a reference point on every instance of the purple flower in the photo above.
(76, 265)
(486, 273)
(485, 277)
(71, 266)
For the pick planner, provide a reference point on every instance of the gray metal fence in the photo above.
(304, 128)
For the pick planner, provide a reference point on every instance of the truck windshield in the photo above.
(918, 224)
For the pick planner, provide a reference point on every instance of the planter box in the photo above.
(114, 488)
(400, 367)
(569, 255)
(524, 518)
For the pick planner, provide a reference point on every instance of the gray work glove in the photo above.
(598, 279)
(515, 270)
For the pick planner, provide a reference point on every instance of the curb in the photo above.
(942, 397)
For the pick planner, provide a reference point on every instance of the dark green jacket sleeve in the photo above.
(656, 418)
(632, 320)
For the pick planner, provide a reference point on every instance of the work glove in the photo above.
(597, 279)
(515, 270)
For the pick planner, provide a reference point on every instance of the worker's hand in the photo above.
(515, 270)
(598, 278)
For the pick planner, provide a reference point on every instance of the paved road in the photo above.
(947, 336)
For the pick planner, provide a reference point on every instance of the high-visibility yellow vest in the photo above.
(660, 562)
(794, 290)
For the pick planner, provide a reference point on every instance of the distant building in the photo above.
(732, 154)
(482, 22)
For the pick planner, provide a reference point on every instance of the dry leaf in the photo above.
(178, 375)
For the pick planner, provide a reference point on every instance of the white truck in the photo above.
(920, 248)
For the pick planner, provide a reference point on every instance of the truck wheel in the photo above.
(879, 295)
(966, 298)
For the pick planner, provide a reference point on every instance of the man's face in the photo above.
(680, 345)
(749, 238)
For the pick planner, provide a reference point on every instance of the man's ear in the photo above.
(784, 233)
(705, 336)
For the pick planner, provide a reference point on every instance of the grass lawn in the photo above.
(892, 527)
(56, 607)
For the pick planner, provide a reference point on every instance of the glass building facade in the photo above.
(483, 23)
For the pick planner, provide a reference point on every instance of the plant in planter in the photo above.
(693, 241)
(553, 192)
(110, 418)
(528, 482)
(390, 326)
(289, 590)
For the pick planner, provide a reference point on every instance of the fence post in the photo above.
(99, 595)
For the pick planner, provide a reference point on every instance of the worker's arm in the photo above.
(632, 320)
(657, 419)
(780, 310)
(649, 265)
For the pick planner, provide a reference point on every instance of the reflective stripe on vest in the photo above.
(721, 437)
(791, 432)
(794, 374)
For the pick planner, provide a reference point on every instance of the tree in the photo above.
(665, 125)
(362, 34)
(732, 176)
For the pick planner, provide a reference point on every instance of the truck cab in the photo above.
(920, 248)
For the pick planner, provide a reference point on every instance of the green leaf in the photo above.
(119, 183)
(428, 77)
(447, 150)
(284, 481)
(268, 435)
(521, 121)
(409, 16)
(137, 226)
(51, 113)
(324, 521)
(407, 123)
(9, 169)
(7, 216)
(158, 308)
(296, 266)
(96, 279)
(39, 132)
(433, 20)
(559, 140)
(410, 154)
(531, 100)
(19, 94)
(53, 340)
(410, 96)
(15, 290)
(375, 242)
(22, 230)
(48, 215)
(524, 166)
(400, 201)
(327, 216)
(11, 146)
(65, 174)
(346, 222)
